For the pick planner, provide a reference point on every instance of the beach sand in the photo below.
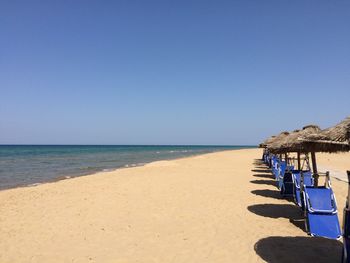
(218, 207)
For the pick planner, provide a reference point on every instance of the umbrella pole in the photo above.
(299, 165)
(314, 168)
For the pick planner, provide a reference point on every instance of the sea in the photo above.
(29, 165)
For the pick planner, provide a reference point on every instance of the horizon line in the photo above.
(245, 145)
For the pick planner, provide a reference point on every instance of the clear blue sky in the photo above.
(170, 72)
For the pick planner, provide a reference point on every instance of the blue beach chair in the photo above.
(275, 159)
(274, 165)
(321, 211)
(279, 164)
(281, 169)
(286, 184)
(296, 177)
(267, 158)
(264, 156)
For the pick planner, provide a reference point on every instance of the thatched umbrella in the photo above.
(311, 145)
(291, 143)
(267, 141)
(333, 139)
(276, 141)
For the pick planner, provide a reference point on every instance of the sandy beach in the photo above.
(218, 207)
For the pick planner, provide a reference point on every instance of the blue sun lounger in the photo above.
(286, 184)
(265, 156)
(296, 177)
(280, 168)
(321, 211)
(275, 165)
(267, 159)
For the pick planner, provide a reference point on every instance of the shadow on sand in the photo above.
(262, 181)
(278, 249)
(298, 249)
(258, 162)
(261, 171)
(287, 211)
(261, 168)
(264, 175)
(269, 193)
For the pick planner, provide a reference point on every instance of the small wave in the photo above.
(87, 168)
(134, 165)
(35, 184)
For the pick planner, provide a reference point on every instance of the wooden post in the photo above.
(299, 164)
(314, 168)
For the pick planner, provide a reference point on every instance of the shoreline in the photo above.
(107, 170)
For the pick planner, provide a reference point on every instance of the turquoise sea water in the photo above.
(22, 165)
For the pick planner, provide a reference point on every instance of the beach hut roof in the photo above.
(291, 143)
(267, 141)
(337, 133)
(271, 139)
(277, 140)
(333, 139)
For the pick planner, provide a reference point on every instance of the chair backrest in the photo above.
(327, 180)
(308, 179)
(282, 168)
(306, 163)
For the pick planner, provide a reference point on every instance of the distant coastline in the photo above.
(30, 165)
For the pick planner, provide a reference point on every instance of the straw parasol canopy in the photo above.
(291, 143)
(277, 140)
(338, 133)
(267, 141)
(333, 139)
